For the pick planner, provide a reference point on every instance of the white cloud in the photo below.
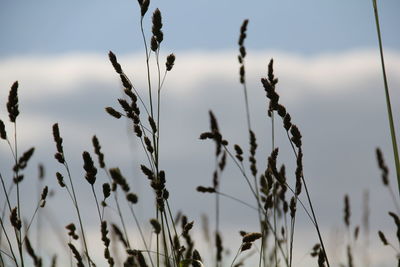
(62, 74)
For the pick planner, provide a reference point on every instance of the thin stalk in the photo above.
(217, 226)
(9, 243)
(273, 147)
(315, 220)
(78, 213)
(118, 208)
(396, 205)
(246, 101)
(1, 257)
(262, 250)
(287, 185)
(97, 204)
(163, 79)
(286, 234)
(237, 255)
(244, 175)
(18, 233)
(6, 203)
(157, 140)
(30, 222)
(278, 244)
(12, 150)
(292, 229)
(257, 200)
(141, 233)
(5, 192)
(149, 157)
(311, 206)
(237, 200)
(171, 241)
(147, 65)
(39, 221)
(171, 217)
(273, 130)
(158, 241)
(388, 105)
(138, 95)
(121, 218)
(275, 229)
(164, 240)
(216, 213)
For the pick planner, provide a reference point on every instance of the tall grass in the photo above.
(387, 97)
(275, 197)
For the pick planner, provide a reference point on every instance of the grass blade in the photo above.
(388, 105)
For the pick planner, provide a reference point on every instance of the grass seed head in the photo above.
(60, 179)
(12, 104)
(382, 165)
(296, 136)
(243, 30)
(144, 6)
(15, 221)
(156, 226)
(157, 25)
(346, 218)
(3, 133)
(245, 246)
(57, 138)
(287, 122)
(114, 62)
(292, 207)
(382, 237)
(89, 167)
(251, 237)
(118, 179)
(132, 198)
(113, 112)
(106, 190)
(126, 82)
(170, 62)
(76, 254)
(97, 151)
(119, 234)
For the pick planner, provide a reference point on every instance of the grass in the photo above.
(387, 97)
(275, 197)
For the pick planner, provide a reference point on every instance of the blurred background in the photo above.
(327, 62)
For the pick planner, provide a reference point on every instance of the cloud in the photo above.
(62, 74)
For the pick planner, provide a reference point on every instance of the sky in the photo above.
(328, 66)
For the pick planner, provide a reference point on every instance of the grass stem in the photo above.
(388, 105)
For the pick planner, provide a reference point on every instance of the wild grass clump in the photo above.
(277, 195)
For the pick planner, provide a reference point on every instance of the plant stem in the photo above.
(388, 105)
(118, 208)
(141, 233)
(148, 66)
(97, 204)
(9, 242)
(19, 236)
(75, 202)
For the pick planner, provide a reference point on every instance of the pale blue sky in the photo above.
(306, 27)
